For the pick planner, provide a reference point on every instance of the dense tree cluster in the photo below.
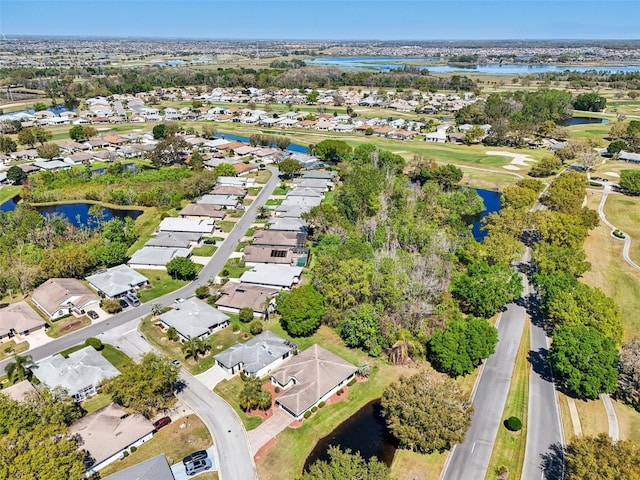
(301, 310)
(426, 412)
(629, 132)
(629, 373)
(595, 458)
(345, 464)
(590, 102)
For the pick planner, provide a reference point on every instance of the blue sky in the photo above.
(332, 19)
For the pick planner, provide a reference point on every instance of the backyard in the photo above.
(161, 284)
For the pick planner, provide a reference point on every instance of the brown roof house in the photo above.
(109, 432)
(61, 296)
(235, 296)
(310, 378)
(19, 319)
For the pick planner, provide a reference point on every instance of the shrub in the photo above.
(110, 305)
(94, 342)
(513, 424)
(321, 404)
(617, 233)
(202, 292)
(255, 327)
(225, 272)
(351, 382)
(125, 454)
(245, 315)
(134, 448)
(172, 334)
(314, 409)
(277, 389)
(307, 414)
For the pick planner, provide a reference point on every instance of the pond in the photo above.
(229, 136)
(491, 201)
(364, 432)
(76, 213)
(583, 121)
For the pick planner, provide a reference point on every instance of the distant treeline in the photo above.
(107, 81)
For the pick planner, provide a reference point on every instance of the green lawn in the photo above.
(281, 191)
(116, 357)
(204, 251)
(253, 191)
(67, 325)
(175, 441)
(161, 284)
(509, 447)
(226, 226)
(11, 348)
(230, 390)
(274, 202)
(235, 270)
(250, 232)
(7, 192)
(96, 402)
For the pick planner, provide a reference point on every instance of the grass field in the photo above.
(7, 192)
(11, 348)
(96, 402)
(593, 417)
(161, 284)
(175, 441)
(628, 421)
(67, 325)
(117, 358)
(565, 416)
(226, 226)
(204, 251)
(612, 274)
(510, 446)
(624, 213)
(230, 390)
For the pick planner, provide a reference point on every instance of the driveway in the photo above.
(213, 376)
(267, 430)
(128, 339)
(179, 472)
(38, 338)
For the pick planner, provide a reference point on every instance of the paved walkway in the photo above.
(575, 418)
(614, 429)
(627, 238)
(267, 430)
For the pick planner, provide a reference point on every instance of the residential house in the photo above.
(117, 281)
(309, 378)
(79, 374)
(306, 192)
(226, 190)
(288, 225)
(107, 433)
(156, 468)
(181, 224)
(236, 181)
(194, 318)
(19, 319)
(201, 211)
(254, 255)
(156, 258)
(223, 201)
(51, 165)
(317, 183)
(174, 240)
(246, 168)
(256, 357)
(274, 238)
(629, 157)
(275, 276)
(438, 136)
(235, 296)
(20, 391)
(60, 296)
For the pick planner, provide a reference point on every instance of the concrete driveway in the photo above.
(38, 338)
(179, 472)
(269, 429)
(213, 376)
(127, 338)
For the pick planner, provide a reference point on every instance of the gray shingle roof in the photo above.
(257, 353)
(282, 276)
(117, 280)
(173, 239)
(158, 256)
(193, 318)
(155, 468)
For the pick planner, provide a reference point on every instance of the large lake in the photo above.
(364, 432)
(392, 63)
(77, 213)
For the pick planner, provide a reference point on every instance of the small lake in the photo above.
(77, 213)
(583, 121)
(392, 63)
(491, 201)
(364, 432)
(293, 147)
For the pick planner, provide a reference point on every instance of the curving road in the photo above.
(627, 238)
(235, 460)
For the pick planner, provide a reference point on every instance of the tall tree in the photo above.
(426, 412)
(301, 310)
(345, 464)
(597, 458)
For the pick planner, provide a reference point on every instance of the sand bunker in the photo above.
(510, 167)
(516, 158)
(611, 174)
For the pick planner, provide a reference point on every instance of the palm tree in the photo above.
(18, 370)
(263, 211)
(193, 347)
(156, 309)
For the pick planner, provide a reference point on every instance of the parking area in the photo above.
(179, 471)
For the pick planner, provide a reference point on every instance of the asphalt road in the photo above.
(210, 270)
(229, 436)
(470, 459)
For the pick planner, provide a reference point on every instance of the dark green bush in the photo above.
(513, 424)
(321, 404)
(352, 382)
(307, 414)
(314, 409)
(94, 342)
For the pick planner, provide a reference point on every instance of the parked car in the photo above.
(123, 303)
(197, 466)
(199, 455)
(133, 300)
(92, 314)
(161, 422)
(176, 363)
(209, 241)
